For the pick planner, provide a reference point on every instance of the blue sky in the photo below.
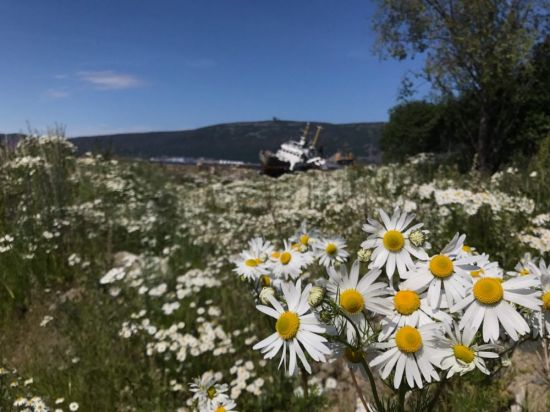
(107, 66)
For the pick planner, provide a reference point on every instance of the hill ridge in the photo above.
(236, 140)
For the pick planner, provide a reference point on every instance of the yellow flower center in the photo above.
(441, 266)
(331, 249)
(352, 301)
(546, 301)
(211, 392)
(252, 262)
(393, 240)
(266, 280)
(304, 239)
(287, 325)
(285, 258)
(408, 339)
(524, 272)
(477, 273)
(488, 291)
(276, 255)
(353, 356)
(406, 302)
(467, 249)
(219, 409)
(296, 246)
(464, 353)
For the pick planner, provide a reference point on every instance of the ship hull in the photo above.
(271, 165)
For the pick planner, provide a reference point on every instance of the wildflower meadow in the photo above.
(129, 286)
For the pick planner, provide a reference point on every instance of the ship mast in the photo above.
(304, 138)
(319, 128)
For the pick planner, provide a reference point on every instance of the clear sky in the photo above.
(106, 66)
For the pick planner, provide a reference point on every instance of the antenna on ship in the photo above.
(319, 128)
(306, 130)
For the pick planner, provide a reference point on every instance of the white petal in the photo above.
(399, 370)
(266, 342)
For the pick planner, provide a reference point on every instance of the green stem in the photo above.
(372, 382)
(379, 405)
(304, 383)
(359, 392)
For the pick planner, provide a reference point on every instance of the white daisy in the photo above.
(207, 390)
(305, 236)
(489, 302)
(295, 329)
(410, 308)
(523, 267)
(445, 275)
(486, 268)
(462, 356)
(391, 243)
(287, 263)
(356, 296)
(411, 352)
(542, 272)
(252, 262)
(467, 250)
(260, 248)
(227, 405)
(330, 251)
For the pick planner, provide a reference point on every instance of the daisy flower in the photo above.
(445, 275)
(330, 251)
(287, 263)
(227, 405)
(489, 302)
(523, 267)
(355, 296)
(260, 248)
(410, 308)
(207, 390)
(296, 329)
(462, 356)
(542, 272)
(391, 243)
(252, 262)
(486, 268)
(411, 352)
(467, 250)
(305, 236)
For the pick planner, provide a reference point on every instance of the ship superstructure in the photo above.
(294, 155)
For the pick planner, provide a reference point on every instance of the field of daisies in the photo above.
(126, 286)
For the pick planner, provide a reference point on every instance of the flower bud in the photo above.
(265, 293)
(417, 238)
(265, 280)
(364, 255)
(316, 296)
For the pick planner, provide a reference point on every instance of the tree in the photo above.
(472, 47)
(534, 120)
(413, 127)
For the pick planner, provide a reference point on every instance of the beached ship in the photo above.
(294, 155)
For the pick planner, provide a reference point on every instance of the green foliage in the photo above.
(473, 49)
(449, 126)
(475, 393)
(413, 127)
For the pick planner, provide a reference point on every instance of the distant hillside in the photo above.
(235, 141)
(10, 140)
